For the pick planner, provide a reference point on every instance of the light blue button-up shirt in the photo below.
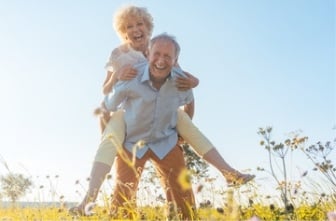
(150, 114)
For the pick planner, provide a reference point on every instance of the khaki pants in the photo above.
(168, 169)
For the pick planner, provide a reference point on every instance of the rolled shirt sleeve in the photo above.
(117, 95)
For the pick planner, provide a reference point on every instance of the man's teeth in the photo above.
(159, 67)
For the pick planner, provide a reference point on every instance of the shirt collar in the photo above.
(145, 77)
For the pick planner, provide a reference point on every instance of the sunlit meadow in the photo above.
(306, 198)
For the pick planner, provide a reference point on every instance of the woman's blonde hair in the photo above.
(124, 14)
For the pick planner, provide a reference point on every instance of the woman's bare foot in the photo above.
(238, 179)
(77, 211)
(82, 210)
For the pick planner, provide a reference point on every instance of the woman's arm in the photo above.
(125, 73)
(187, 83)
(184, 84)
(109, 82)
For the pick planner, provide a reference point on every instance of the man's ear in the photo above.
(176, 62)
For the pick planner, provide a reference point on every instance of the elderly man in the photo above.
(150, 102)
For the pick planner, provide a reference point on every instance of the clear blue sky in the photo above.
(259, 63)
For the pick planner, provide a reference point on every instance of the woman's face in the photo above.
(137, 34)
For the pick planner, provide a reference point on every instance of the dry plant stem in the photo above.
(281, 154)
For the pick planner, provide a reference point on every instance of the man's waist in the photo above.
(160, 147)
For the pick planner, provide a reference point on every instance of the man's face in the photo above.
(161, 57)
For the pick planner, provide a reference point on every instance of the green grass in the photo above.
(293, 201)
(230, 212)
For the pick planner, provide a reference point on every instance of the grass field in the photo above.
(248, 202)
(232, 209)
(263, 212)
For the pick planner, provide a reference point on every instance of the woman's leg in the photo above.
(203, 147)
(232, 176)
(111, 141)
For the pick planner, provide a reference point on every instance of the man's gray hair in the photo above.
(165, 36)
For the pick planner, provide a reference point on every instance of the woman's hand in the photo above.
(126, 73)
(187, 83)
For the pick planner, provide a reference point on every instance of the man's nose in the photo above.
(161, 60)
